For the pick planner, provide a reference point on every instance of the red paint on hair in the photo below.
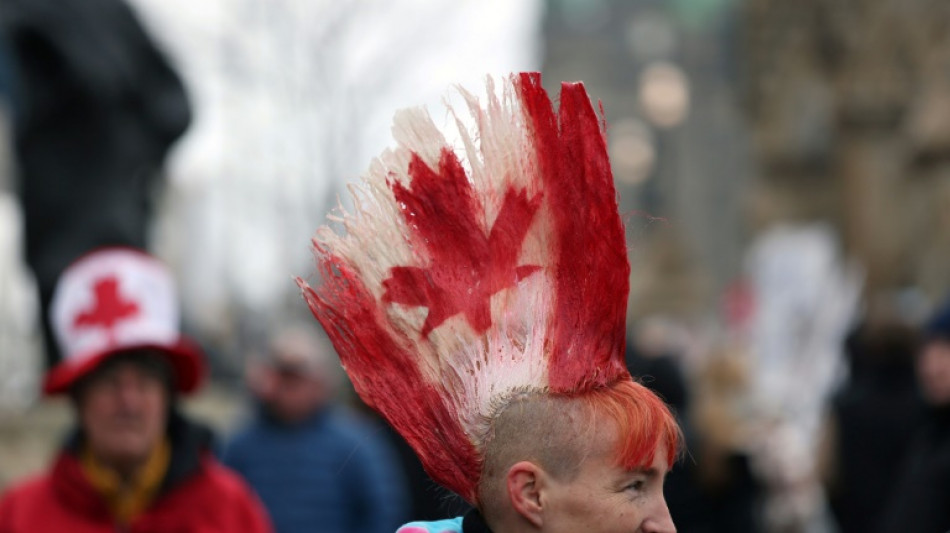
(468, 263)
(592, 273)
(387, 376)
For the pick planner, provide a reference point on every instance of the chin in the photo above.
(939, 400)
(935, 394)
(129, 451)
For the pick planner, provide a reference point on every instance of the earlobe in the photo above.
(525, 483)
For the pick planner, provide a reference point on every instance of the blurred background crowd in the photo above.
(783, 169)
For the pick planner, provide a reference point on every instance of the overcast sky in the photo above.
(293, 98)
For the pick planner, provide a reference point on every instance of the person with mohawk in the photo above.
(479, 305)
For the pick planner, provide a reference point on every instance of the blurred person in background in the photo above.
(428, 500)
(871, 418)
(97, 107)
(920, 501)
(725, 426)
(651, 356)
(6, 78)
(714, 489)
(134, 462)
(316, 466)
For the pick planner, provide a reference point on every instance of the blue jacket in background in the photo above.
(333, 473)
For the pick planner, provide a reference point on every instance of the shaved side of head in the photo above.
(557, 432)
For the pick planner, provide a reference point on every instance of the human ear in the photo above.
(524, 481)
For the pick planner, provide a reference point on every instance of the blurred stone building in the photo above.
(666, 72)
(849, 104)
(774, 142)
(809, 111)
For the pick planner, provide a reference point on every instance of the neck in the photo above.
(128, 486)
(940, 413)
(510, 524)
(292, 419)
(125, 470)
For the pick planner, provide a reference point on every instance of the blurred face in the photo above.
(933, 371)
(290, 394)
(123, 409)
(606, 498)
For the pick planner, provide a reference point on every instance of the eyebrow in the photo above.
(649, 472)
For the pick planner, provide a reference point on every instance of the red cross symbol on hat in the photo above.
(109, 308)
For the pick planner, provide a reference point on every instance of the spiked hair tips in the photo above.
(465, 278)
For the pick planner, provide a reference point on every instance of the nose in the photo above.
(659, 521)
(128, 393)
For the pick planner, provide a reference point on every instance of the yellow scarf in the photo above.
(129, 499)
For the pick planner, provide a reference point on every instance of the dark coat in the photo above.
(921, 499)
(96, 108)
(330, 473)
(874, 414)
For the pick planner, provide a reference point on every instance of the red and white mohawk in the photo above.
(465, 279)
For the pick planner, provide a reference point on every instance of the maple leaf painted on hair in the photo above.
(109, 308)
(468, 264)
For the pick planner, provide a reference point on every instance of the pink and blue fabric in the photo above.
(441, 526)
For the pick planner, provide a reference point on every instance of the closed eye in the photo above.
(637, 485)
(641, 479)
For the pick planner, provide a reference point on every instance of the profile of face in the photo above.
(595, 463)
(289, 393)
(123, 409)
(604, 497)
(933, 372)
(295, 379)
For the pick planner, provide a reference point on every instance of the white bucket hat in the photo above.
(111, 301)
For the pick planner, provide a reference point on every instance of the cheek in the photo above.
(623, 515)
(96, 408)
(601, 513)
(934, 371)
(936, 360)
(303, 392)
(155, 409)
(158, 410)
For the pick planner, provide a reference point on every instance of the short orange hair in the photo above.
(643, 421)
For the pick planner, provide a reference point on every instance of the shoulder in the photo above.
(364, 440)
(237, 445)
(38, 483)
(453, 525)
(222, 480)
(350, 433)
(213, 482)
(221, 496)
(355, 427)
(248, 433)
(27, 501)
(346, 422)
(28, 490)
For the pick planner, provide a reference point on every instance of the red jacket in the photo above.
(201, 496)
